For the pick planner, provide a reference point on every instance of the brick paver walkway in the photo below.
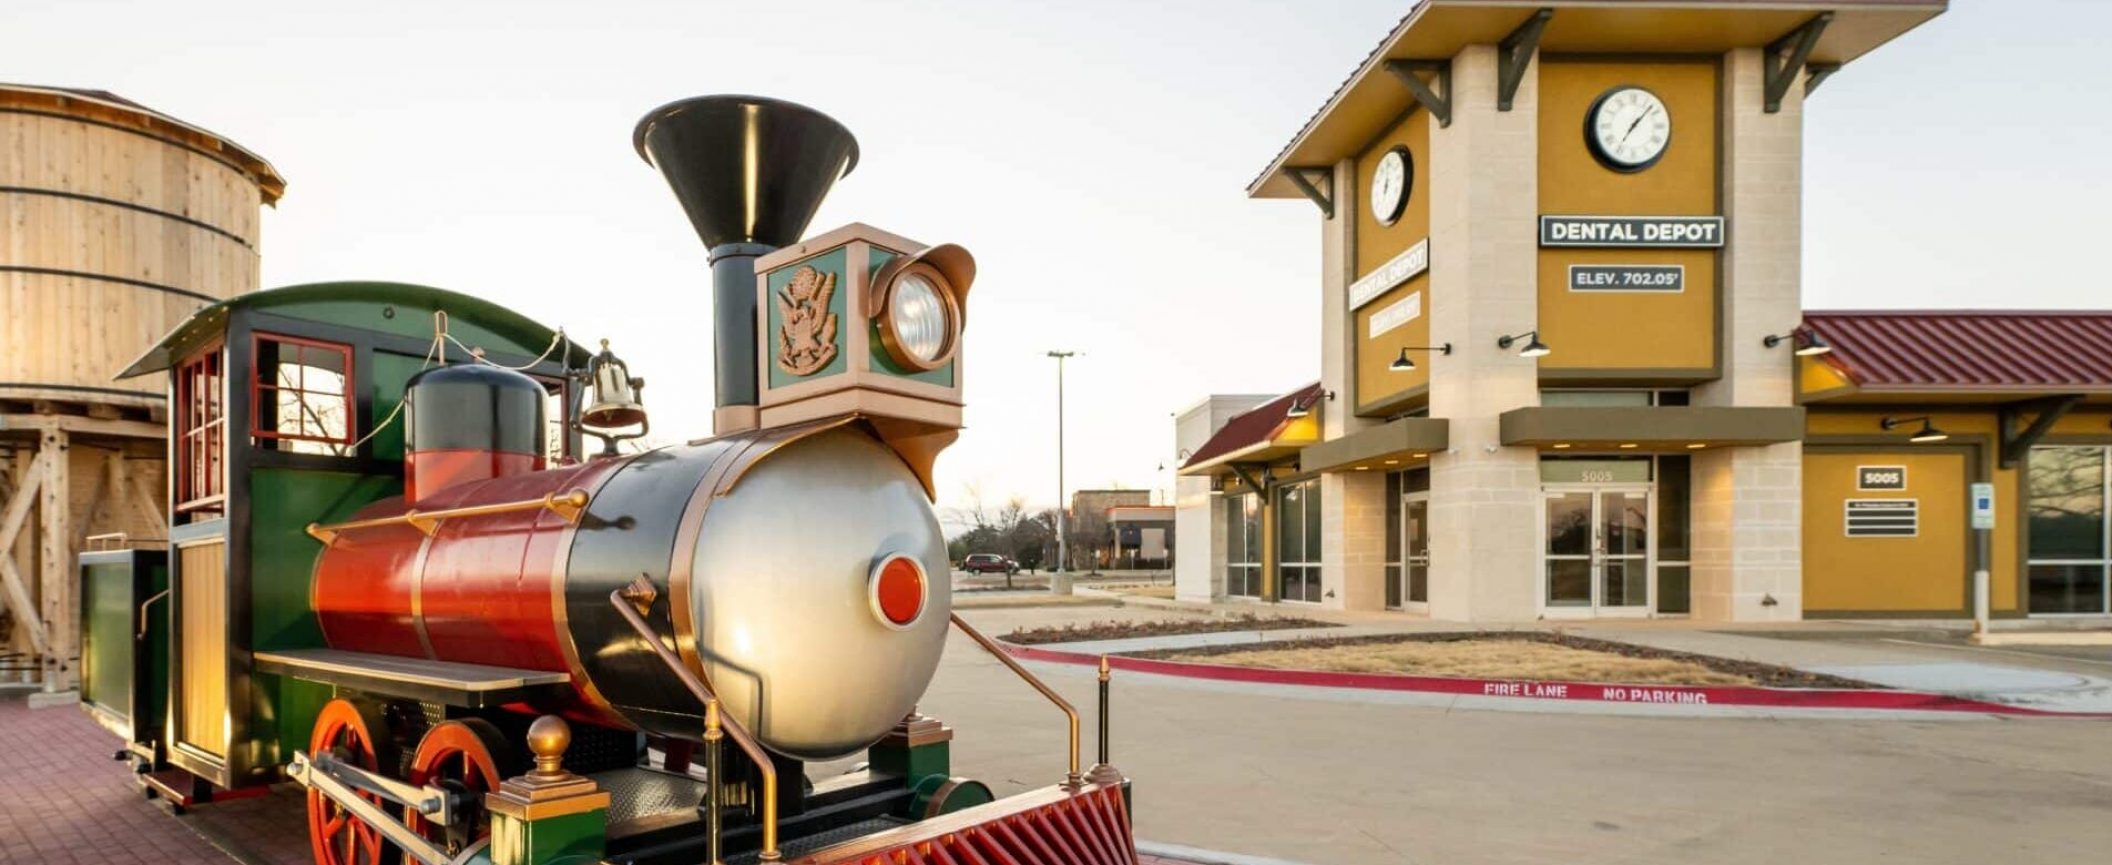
(63, 801)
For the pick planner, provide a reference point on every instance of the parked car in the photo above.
(989, 563)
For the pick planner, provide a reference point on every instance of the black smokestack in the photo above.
(750, 172)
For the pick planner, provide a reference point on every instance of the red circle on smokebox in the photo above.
(898, 591)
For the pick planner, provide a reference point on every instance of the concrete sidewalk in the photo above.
(1930, 657)
(2048, 683)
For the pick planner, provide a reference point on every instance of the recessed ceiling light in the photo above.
(1393, 462)
(1627, 445)
(1561, 447)
(1696, 446)
(1420, 456)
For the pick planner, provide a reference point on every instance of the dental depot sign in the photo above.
(1670, 232)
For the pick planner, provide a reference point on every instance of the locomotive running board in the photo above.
(1049, 826)
(473, 685)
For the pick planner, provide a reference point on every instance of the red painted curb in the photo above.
(1792, 698)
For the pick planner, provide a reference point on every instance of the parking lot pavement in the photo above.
(1323, 777)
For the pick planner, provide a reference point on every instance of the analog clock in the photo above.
(1628, 128)
(1390, 183)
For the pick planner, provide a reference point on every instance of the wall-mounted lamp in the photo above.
(1303, 407)
(1927, 434)
(1533, 347)
(1403, 364)
(1808, 342)
(1179, 458)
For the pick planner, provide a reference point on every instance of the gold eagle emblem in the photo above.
(806, 340)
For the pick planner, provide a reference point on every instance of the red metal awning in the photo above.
(1961, 350)
(1253, 432)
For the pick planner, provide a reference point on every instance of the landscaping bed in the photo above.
(1077, 633)
(1522, 655)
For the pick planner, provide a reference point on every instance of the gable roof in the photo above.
(1370, 99)
(1976, 350)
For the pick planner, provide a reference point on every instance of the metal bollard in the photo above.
(1103, 710)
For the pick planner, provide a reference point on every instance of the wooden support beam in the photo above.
(1786, 57)
(1259, 484)
(1437, 100)
(96, 496)
(19, 598)
(55, 564)
(80, 425)
(1816, 74)
(1515, 54)
(1318, 184)
(149, 510)
(2015, 444)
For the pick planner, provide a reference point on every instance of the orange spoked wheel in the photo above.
(467, 758)
(352, 733)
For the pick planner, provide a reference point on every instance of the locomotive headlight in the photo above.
(919, 318)
(920, 306)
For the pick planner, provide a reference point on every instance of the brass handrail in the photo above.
(568, 505)
(643, 592)
(143, 605)
(1072, 780)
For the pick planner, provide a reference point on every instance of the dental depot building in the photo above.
(1566, 372)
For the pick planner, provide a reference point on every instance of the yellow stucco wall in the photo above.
(1891, 575)
(1863, 574)
(1378, 388)
(1599, 335)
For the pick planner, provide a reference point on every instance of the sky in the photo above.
(1092, 155)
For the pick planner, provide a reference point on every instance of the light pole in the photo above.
(1063, 546)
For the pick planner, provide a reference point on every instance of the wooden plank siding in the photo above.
(202, 656)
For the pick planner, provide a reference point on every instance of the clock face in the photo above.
(1628, 128)
(1389, 185)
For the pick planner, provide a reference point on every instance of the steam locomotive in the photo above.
(397, 577)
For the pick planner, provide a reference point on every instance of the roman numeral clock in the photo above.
(1628, 128)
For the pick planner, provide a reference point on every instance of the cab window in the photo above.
(301, 395)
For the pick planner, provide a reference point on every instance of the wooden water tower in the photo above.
(117, 222)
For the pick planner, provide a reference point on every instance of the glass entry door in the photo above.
(1597, 555)
(1415, 553)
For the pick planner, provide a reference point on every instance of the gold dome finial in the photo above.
(548, 738)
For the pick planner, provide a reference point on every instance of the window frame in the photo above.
(259, 433)
(200, 487)
(2102, 562)
(1237, 560)
(1307, 524)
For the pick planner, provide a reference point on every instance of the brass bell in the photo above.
(613, 401)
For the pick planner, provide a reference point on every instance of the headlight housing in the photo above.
(920, 320)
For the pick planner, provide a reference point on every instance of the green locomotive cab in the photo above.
(283, 412)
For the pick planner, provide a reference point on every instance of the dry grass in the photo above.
(996, 600)
(1164, 591)
(1477, 659)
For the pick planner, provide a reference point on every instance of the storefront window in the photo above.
(1298, 540)
(1393, 540)
(2067, 492)
(1243, 546)
(1674, 538)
